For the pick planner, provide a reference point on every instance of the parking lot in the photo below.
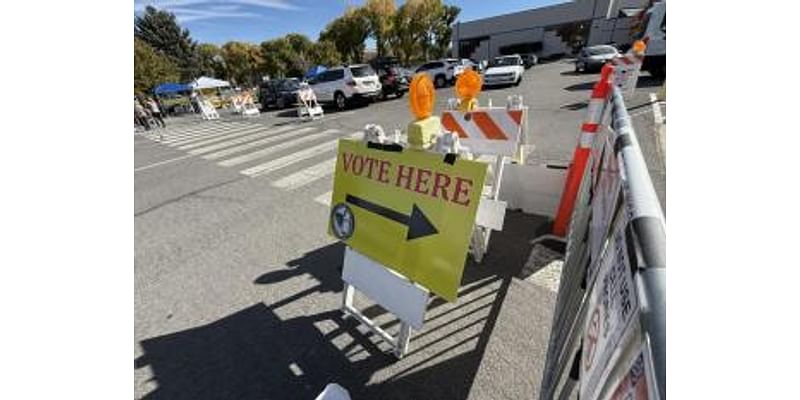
(237, 283)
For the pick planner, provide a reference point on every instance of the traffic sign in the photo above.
(410, 210)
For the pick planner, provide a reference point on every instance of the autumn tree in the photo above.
(243, 61)
(380, 17)
(210, 61)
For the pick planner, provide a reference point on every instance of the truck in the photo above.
(654, 34)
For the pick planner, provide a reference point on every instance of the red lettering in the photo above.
(347, 158)
(406, 177)
(383, 170)
(462, 189)
(358, 165)
(370, 163)
(423, 175)
(440, 182)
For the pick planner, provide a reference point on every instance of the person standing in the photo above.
(140, 114)
(156, 112)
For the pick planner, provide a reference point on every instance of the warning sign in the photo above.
(412, 211)
(612, 306)
(636, 384)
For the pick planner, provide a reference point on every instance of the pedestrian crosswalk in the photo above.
(291, 157)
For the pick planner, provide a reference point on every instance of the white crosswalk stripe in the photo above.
(306, 176)
(290, 159)
(173, 135)
(237, 143)
(274, 149)
(325, 198)
(202, 140)
(247, 145)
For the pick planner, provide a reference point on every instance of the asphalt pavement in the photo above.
(237, 284)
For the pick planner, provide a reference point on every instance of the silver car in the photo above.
(592, 58)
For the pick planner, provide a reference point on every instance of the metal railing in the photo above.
(609, 324)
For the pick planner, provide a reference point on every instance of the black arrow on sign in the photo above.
(418, 224)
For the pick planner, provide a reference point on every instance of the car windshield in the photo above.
(504, 61)
(362, 71)
(596, 51)
(291, 84)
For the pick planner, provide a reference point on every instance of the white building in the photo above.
(548, 31)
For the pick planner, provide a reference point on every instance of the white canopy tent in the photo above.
(205, 82)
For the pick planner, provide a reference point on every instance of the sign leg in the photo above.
(401, 347)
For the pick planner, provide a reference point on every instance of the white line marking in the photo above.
(170, 161)
(274, 149)
(325, 198)
(202, 140)
(657, 116)
(247, 145)
(173, 136)
(290, 159)
(306, 176)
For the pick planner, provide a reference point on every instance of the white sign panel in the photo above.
(637, 383)
(605, 199)
(612, 306)
(392, 291)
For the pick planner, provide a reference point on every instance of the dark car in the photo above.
(592, 58)
(280, 93)
(394, 81)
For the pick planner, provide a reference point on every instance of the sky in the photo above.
(214, 21)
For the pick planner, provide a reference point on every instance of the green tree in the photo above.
(160, 30)
(243, 62)
(325, 53)
(151, 68)
(348, 33)
(210, 61)
(379, 14)
(443, 29)
(278, 56)
(408, 31)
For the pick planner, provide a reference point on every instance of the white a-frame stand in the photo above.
(398, 295)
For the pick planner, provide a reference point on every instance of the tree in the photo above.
(160, 30)
(348, 33)
(210, 61)
(379, 14)
(151, 68)
(325, 53)
(407, 33)
(243, 62)
(277, 55)
(443, 29)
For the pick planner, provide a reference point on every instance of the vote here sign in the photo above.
(410, 210)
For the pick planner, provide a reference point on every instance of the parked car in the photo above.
(441, 72)
(504, 70)
(345, 85)
(530, 60)
(393, 81)
(280, 93)
(592, 58)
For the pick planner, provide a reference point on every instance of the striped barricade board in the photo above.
(495, 131)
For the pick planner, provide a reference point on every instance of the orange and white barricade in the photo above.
(308, 106)
(493, 134)
(622, 72)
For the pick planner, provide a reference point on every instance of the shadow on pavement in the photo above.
(253, 354)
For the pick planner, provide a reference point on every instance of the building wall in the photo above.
(540, 27)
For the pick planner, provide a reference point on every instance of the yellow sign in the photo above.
(412, 211)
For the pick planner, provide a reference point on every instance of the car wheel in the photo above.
(440, 81)
(400, 94)
(281, 104)
(340, 101)
(519, 80)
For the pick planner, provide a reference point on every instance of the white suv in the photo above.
(344, 85)
(441, 72)
(504, 70)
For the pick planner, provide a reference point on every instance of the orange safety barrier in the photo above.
(580, 157)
